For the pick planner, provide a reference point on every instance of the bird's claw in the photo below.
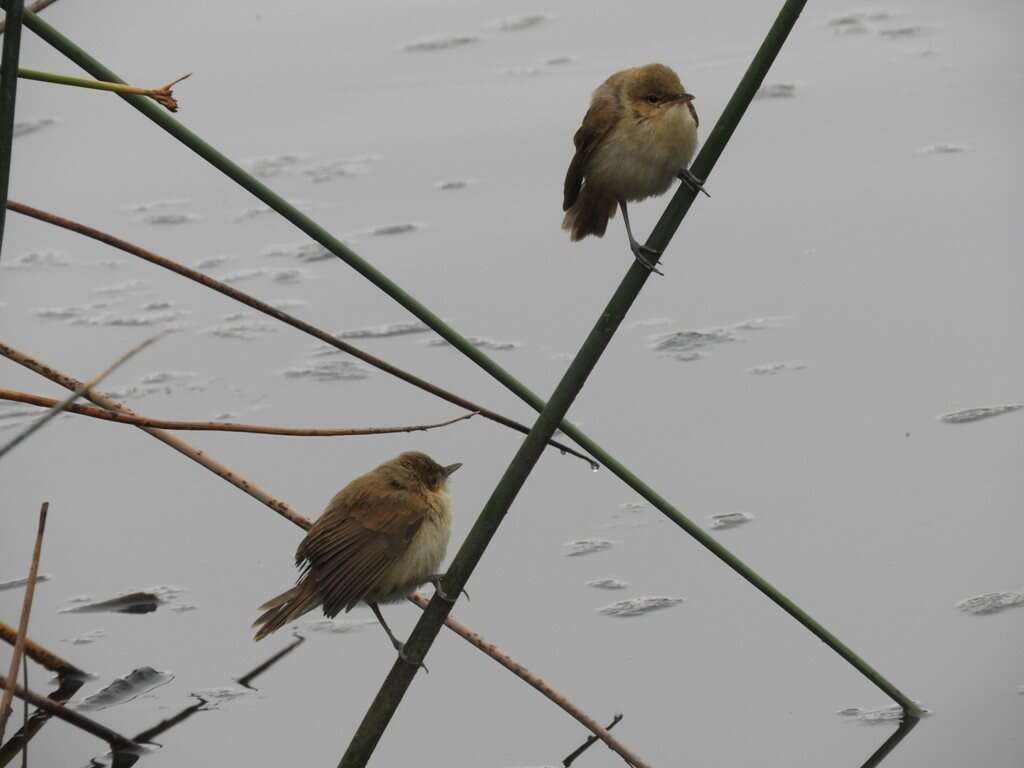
(400, 647)
(641, 252)
(436, 581)
(697, 185)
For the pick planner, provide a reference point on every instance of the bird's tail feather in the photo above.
(288, 606)
(589, 214)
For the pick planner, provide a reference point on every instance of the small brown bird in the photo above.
(639, 134)
(380, 537)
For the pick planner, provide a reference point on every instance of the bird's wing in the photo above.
(355, 540)
(597, 124)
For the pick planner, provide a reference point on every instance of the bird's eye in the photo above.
(653, 98)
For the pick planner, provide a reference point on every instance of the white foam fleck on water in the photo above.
(170, 218)
(730, 520)
(519, 23)
(773, 369)
(447, 42)
(217, 697)
(303, 252)
(125, 286)
(38, 259)
(886, 713)
(776, 91)
(338, 626)
(385, 331)
(579, 547)
(608, 583)
(638, 606)
(327, 370)
(991, 602)
(943, 148)
(481, 342)
(273, 165)
(977, 414)
(87, 638)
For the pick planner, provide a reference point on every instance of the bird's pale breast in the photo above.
(640, 159)
(423, 556)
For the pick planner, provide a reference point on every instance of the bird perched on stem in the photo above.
(380, 537)
(639, 134)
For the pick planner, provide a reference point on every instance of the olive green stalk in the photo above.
(660, 237)
(8, 90)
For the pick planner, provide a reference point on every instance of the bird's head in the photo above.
(654, 89)
(426, 470)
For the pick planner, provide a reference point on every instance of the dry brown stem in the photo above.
(26, 610)
(218, 426)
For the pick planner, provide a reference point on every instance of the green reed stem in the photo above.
(631, 284)
(77, 82)
(8, 90)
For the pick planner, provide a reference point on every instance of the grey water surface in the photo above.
(862, 242)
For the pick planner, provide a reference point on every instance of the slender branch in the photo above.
(36, 7)
(8, 92)
(283, 317)
(537, 683)
(255, 492)
(104, 401)
(219, 426)
(113, 738)
(587, 744)
(63, 405)
(667, 224)
(162, 95)
(26, 610)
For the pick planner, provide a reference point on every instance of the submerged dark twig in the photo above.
(26, 610)
(284, 317)
(220, 426)
(590, 741)
(259, 669)
(907, 724)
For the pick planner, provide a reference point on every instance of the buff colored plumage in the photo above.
(380, 537)
(639, 134)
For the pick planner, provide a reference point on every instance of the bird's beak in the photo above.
(451, 468)
(684, 98)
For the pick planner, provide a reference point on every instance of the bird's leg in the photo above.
(697, 185)
(640, 252)
(398, 646)
(435, 579)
